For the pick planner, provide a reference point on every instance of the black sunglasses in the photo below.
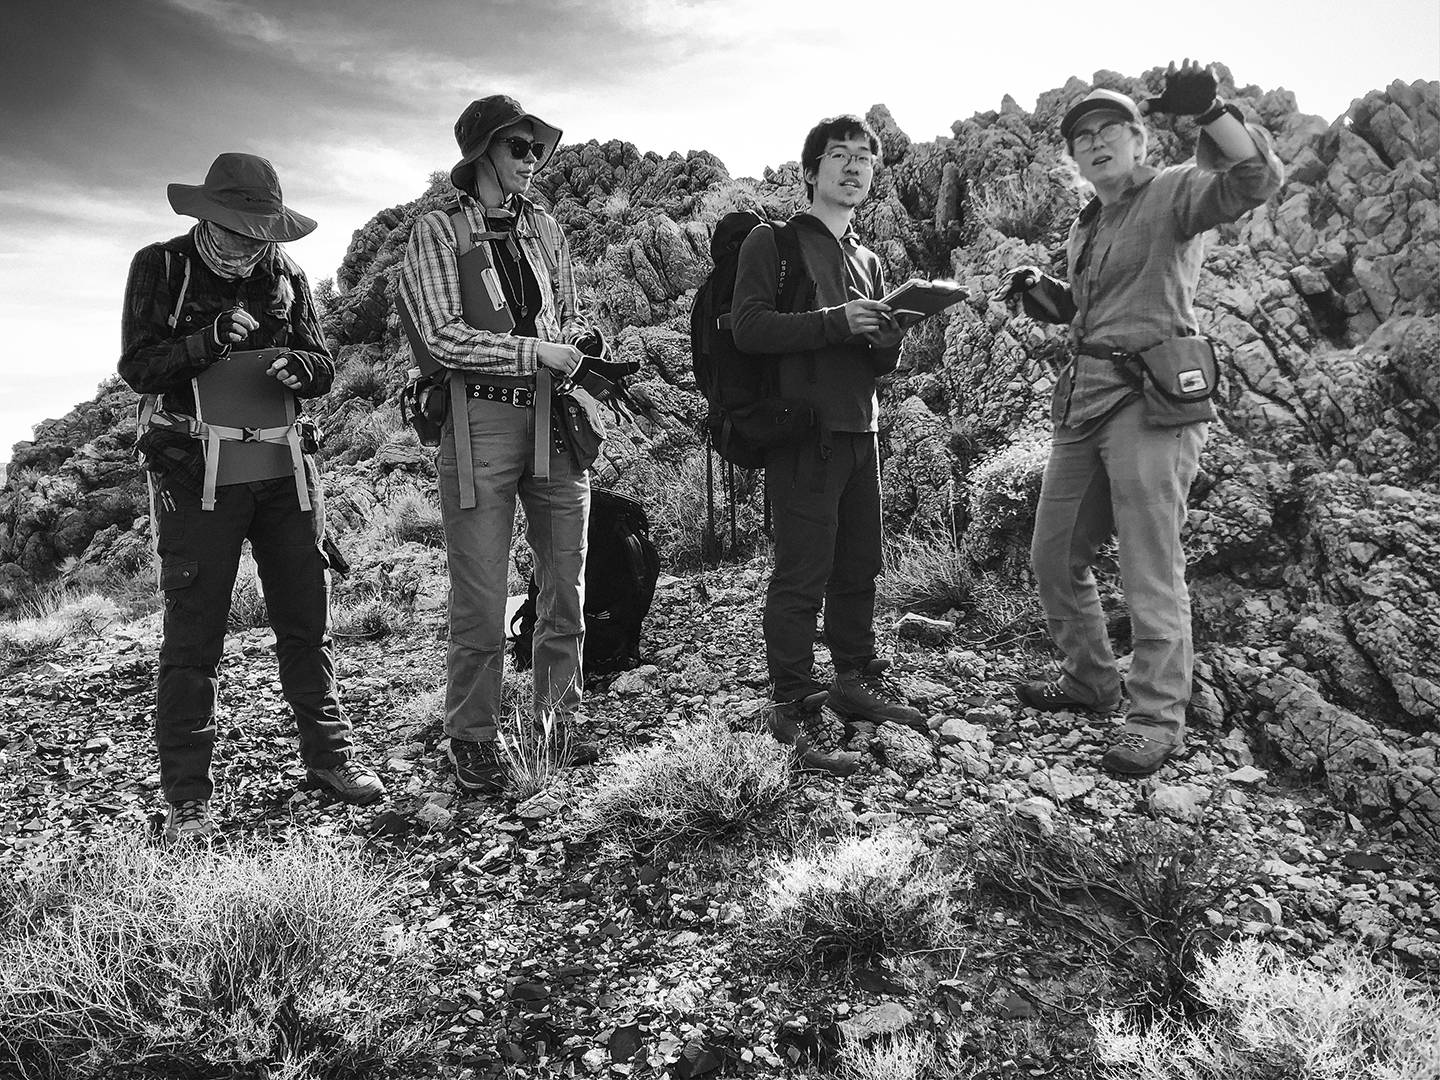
(520, 146)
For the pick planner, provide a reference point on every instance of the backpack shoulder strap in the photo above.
(174, 317)
(792, 265)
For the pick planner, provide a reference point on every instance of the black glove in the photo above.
(1020, 280)
(1188, 91)
(233, 321)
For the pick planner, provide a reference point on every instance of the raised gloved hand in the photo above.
(232, 327)
(1020, 280)
(1189, 90)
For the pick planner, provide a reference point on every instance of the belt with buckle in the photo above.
(522, 397)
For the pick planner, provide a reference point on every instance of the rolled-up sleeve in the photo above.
(430, 288)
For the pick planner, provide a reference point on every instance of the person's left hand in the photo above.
(288, 368)
(1189, 90)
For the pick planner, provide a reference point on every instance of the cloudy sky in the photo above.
(104, 102)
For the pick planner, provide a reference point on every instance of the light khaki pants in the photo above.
(1131, 481)
(477, 549)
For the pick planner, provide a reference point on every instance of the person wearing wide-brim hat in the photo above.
(198, 308)
(496, 445)
(1122, 460)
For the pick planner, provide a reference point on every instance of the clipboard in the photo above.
(237, 393)
(918, 299)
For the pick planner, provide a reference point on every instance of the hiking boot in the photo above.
(800, 724)
(478, 766)
(353, 782)
(189, 819)
(1049, 697)
(1134, 755)
(858, 694)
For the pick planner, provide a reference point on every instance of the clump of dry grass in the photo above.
(413, 515)
(1274, 1016)
(534, 750)
(276, 961)
(859, 897)
(931, 575)
(51, 618)
(701, 783)
(366, 617)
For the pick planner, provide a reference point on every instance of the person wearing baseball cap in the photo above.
(218, 322)
(504, 367)
(1118, 464)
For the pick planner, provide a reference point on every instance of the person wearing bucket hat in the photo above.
(220, 321)
(499, 442)
(1121, 460)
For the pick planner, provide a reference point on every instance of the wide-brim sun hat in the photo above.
(241, 193)
(478, 124)
(1096, 101)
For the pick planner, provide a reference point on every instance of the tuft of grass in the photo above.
(1003, 492)
(1137, 895)
(1274, 1016)
(50, 618)
(415, 516)
(930, 575)
(1029, 205)
(247, 599)
(535, 750)
(362, 379)
(702, 783)
(855, 898)
(366, 617)
(906, 1056)
(275, 961)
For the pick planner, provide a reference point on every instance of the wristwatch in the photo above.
(1217, 110)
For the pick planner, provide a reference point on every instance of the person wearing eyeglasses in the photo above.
(825, 499)
(511, 450)
(1134, 256)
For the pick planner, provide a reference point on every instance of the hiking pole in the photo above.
(710, 538)
(731, 466)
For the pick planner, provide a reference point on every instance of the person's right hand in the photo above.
(561, 359)
(866, 316)
(232, 327)
(1020, 280)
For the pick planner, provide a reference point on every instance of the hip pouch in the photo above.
(1178, 379)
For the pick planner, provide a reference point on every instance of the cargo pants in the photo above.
(199, 557)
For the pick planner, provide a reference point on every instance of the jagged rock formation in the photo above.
(1313, 523)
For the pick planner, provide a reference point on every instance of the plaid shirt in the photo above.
(430, 287)
(1134, 266)
(156, 358)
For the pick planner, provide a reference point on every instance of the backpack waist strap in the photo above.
(211, 435)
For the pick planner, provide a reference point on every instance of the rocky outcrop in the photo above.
(1313, 521)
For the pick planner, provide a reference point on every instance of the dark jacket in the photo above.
(158, 359)
(820, 361)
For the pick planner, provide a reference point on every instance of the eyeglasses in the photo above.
(842, 158)
(1109, 133)
(520, 146)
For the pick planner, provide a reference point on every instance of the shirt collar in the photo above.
(1138, 178)
(849, 238)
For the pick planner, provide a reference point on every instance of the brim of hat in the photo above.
(1085, 108)
(463, 172)
(191, 200)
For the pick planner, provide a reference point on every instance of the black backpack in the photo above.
(745, 415)
(621, 568)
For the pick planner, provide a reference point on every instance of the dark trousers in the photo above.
(826, 515)
(199, 556)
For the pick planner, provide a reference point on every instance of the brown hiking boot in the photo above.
(353, 782)
(800, 724)
(1049, 697)
(478, 767)
(189, 819)
(1135, 755)
(858, 694)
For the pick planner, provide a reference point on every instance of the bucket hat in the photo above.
(1111, 100)
(242, 193)
(479, 123)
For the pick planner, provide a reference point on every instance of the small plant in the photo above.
(1003, 492)
(415, 516)
(51, 618)
(1272, 1016)
(861, 897)
(1138, 894)
(247, 599)
(1029, 206)
(535, 750)
(899, 1057)
(369, 617)
(702, 783)
(360, 378)
(257, 961)
(928, 574)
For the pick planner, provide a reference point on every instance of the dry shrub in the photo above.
(856, 898)
(275, 961)
(907, 1056)
(247, 599)
(930, 575)
(1003, 492)
(701, 783)
(366, 617)
(1135, 896)
(414, 516)
(534, 750)
(51, 618)
(1274, 1017)
(1030, 205)
(361, 378)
